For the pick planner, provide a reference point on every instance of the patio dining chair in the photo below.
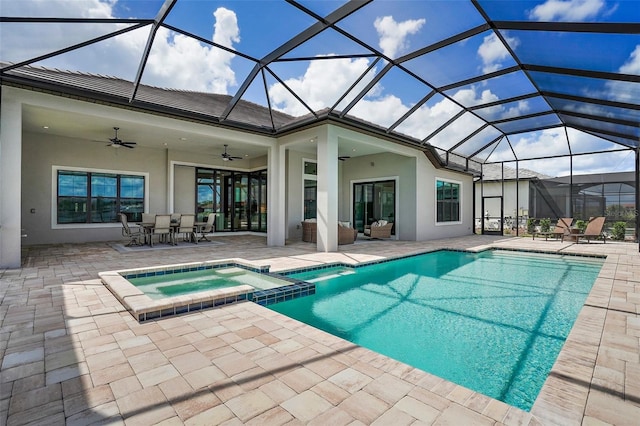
(133, 233)
(207, 228)
(162, 229)
(187, 228)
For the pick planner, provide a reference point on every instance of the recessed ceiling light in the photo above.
(45, 127)
(183, 139)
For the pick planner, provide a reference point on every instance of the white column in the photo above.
(276, 210)
(10, 181)
(327, 200)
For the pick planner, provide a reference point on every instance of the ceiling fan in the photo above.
(228, 157)
(344, 157)
(117, 143)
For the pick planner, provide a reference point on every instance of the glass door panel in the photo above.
(373, 201)
(240, 202)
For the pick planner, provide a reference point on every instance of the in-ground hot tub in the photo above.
(158, 292)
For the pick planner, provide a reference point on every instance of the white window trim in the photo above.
(54, 195)
(460, 201)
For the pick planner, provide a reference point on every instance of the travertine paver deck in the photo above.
(71, 353)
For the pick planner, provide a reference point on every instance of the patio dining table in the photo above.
(147, 226)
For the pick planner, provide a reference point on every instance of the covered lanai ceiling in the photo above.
(489, 81)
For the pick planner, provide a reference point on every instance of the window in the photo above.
(93, 197)
(448, 201)
(309, 189)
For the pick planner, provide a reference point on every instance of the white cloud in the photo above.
(393, 35)
(620, 90)
(322, 84)
(382, 111)
(469, 97)
(493, 52)
(226, 30)
(632, 66)
(175, 61)
(552, 142)
(567, 10)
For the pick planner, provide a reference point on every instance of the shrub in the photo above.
(581, 225)
(545, 225)
(531, 225)
(618, 230)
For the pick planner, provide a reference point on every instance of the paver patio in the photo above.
(72, 354)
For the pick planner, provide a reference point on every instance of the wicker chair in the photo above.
(377, 231)
(309, 231)
(346, 235)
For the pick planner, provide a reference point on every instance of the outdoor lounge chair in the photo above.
(379, 229)
(134, 234)
(594, 229)
(563, 228)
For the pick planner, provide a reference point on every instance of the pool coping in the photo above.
(144, 308)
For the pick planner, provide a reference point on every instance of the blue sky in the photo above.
(394, 28)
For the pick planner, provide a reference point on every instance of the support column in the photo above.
(327, 199)
(276, 209)
(10, 181)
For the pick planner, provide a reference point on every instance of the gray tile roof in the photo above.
(202, 105)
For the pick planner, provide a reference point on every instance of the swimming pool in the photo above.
(493, 321)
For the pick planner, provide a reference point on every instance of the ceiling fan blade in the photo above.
(126, 144)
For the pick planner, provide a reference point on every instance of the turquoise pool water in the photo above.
(180, 283)
(493, 322)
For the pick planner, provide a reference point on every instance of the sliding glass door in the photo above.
(238, 199)
(373, 201)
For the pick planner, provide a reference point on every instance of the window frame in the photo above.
(460, 199)
(84, 225)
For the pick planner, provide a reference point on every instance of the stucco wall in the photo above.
(426, 226)
(184, 193)
(378, 167)
(40, 153)
(294, 160)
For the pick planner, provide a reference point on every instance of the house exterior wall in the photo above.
(387, 166)
(170, 174)
(426, 226)
(42, 153)
(184, 189)
(293, 199)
